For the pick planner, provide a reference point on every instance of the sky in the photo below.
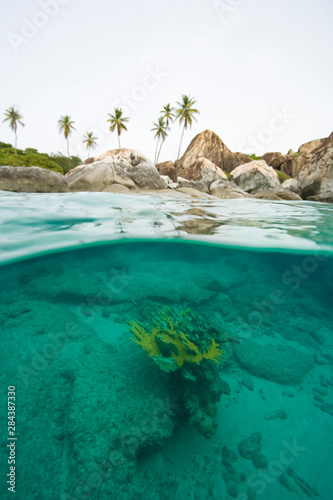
(260, 71)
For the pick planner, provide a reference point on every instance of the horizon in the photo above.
(258, 93)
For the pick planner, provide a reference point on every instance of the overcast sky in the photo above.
(260, 70)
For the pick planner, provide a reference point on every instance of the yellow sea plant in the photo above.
(180, 349)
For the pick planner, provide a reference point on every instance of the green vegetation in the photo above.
(117, 121)
(90, 141)
(185, 114)
(66, 125)
(187, 347)
(62, 161)
(14, 117)
(295, 155)
(167, 113)
(171, 342)
(282, 177)
(31, 158)
(254, 157)
(227, 174)
(161, 129)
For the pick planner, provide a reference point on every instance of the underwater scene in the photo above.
(160, 369)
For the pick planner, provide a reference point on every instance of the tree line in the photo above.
(185, 113)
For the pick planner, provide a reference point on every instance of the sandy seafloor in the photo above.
(97, 419)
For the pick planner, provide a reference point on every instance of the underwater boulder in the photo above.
(87, 410)
(278, 363)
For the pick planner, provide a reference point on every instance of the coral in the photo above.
(145, 340)
(170, 346)
(181, 341)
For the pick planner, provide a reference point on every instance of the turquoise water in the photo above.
(97, 417)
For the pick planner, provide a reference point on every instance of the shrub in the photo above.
(227, 174)
(31, 158)
(282, 177)
(254, 157)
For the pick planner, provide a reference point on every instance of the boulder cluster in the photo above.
(207, 167)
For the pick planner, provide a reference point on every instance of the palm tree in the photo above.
(90, 141)
(117, 120)
(161, 134)
(167, 113)
(14, 117)
(185, 113)
(66, 125)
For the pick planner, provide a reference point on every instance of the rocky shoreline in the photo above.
(207, 169)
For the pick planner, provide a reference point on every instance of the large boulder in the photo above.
(294, 164)
(167, 168)
(120, 166)
(312, 166)
(278, 363)
(316, 177)
(277, 194)
(275, 160)
(292, 185)
(59, 363)
(326, 198)
(198, 185)
(309, 147)
(255, 176)
(227, 190)
(205, 171)
(32, 180)
(208, 145)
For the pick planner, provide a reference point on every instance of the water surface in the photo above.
(96, 416)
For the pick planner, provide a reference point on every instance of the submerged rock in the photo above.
(281, 364)
(327, 408)
(259, 460)
(277, 194)
(86, 410)
(251, 445)
(248, 382)
(272, 415)
(50, 279)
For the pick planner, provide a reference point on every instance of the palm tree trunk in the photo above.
(181, 140)
(69, 160)
(159, 152)
(119, 141)
(155, 157)
(15, 139)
